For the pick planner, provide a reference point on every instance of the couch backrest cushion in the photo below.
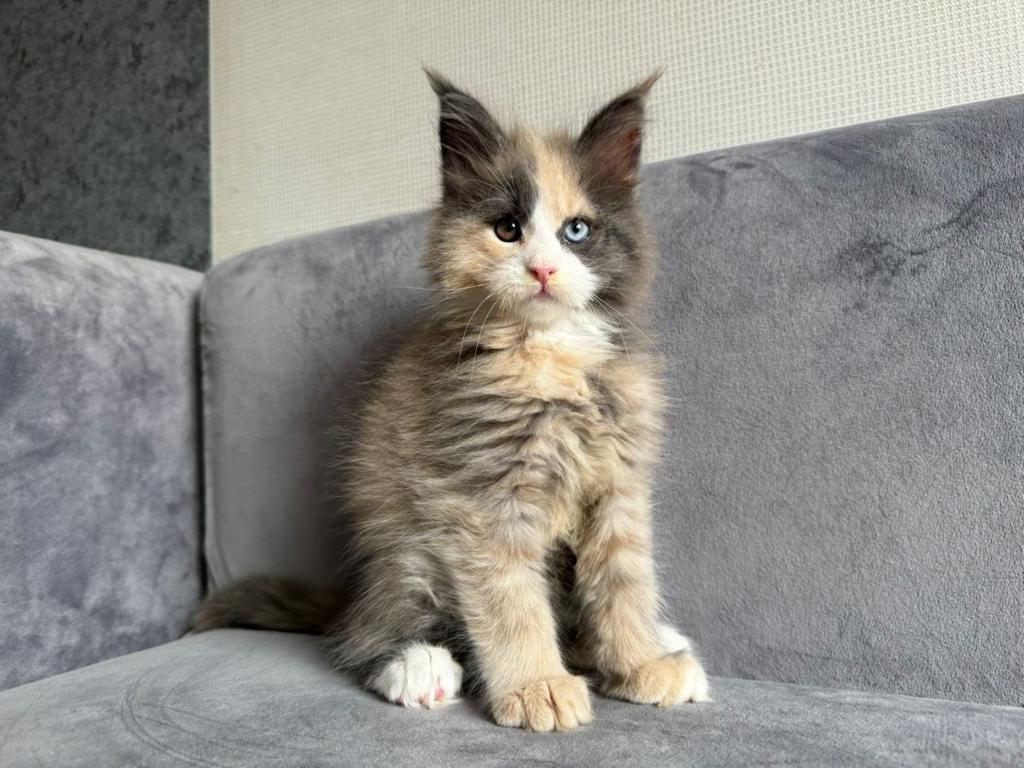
(289, 333)
(99, 456)
(840, 497)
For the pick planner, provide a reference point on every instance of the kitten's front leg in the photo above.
(505, 604)
(615, 579)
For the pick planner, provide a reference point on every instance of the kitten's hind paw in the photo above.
(420, 677)
(558, 703)
(672, 679)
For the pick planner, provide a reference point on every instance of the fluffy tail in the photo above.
(263, 602)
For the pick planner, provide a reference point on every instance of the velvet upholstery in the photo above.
(244, 698)
(840, 498)
(99, 483)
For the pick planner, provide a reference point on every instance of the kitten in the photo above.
(500, 486)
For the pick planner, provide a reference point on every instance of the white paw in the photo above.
(421, 676)
(671, 641)
(695, 681)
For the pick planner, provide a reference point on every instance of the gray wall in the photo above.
(104, 125)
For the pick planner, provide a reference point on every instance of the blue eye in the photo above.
(576, 231)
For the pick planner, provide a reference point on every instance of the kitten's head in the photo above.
(539, 227)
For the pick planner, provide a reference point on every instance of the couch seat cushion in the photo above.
(245, 698)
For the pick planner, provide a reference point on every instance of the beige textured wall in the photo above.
(321, 116)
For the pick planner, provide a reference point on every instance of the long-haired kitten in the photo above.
(499, 491)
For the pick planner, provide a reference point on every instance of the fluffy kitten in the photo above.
(499, 490)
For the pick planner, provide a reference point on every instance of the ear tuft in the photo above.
(470, 136)
(438, 82)
(609, 145)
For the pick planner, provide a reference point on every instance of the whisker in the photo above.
(625, 318)
(441, 289)
(484, 324)
(462, 343)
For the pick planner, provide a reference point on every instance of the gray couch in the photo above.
(840, 524)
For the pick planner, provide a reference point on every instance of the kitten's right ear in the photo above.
(470, 137)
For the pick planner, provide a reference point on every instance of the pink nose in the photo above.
(543, 274)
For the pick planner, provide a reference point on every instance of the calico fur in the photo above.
(499, 490)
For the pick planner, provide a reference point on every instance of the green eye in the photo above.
(576, 231)
(508, 230)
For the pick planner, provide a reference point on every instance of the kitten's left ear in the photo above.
(609, 145)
